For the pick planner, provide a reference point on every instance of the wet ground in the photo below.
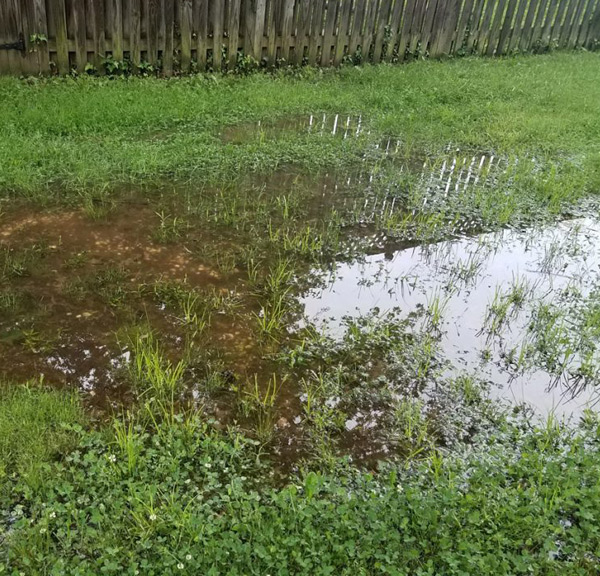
(238, 280)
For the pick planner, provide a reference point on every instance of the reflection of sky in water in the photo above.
(549, 259)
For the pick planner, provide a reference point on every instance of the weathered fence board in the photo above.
(180, 36)
(587, 17)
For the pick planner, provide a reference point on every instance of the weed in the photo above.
(127, 440)
(157, 380)
(170, 228)
(259, 403)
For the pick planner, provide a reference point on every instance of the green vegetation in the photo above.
(77, 135)
(36, 425)
(188, 500)
(156, 247)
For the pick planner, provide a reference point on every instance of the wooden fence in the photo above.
(57, 36)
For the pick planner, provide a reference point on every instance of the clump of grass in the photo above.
(10, 301)
(157, 380)
(258, 402)
(110, 284)
(97, 204)
(170, 228)
(127, 439)
(15, 263)
(506, 305)
(36, 426)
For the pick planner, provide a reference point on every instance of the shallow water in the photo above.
(91, 278)
(465, 274)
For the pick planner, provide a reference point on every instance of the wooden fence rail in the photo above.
(57, 36)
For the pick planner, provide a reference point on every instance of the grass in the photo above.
(35, 427)
(65, 135)
(190, 500)
(225, 233)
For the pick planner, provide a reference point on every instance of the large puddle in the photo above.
(272, 290)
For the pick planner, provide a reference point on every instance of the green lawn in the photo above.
(154, 485)
(68, 135)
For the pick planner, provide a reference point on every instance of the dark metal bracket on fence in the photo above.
(18, 45)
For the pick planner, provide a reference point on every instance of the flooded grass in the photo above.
(299, 308)
(230, 284)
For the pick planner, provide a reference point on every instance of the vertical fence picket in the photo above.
(446, 28)
(484, 31)
(185, 29)
(201, 20)
(566, 27)
(152, 27)
(357, 20)
(417, 26)
(525, 32)
(287, 28)
(343, 30)
(117, 29)
(11, 31)
(41, 30)
(273, 10)
(428, 23)
(404, 34)
(302, 31)
(29, 61)
(315, 31)
(169, 19)
(558, 19)
(385, 7)
(80, 35)
(4, 37)
(583, 31)
(545, 39)
(369, 29)
(460, 38)
(328, 30)
(576, 25)
(593, 35)
(506, 27)
(259, 29)
(515, 33)
(437, 23)
(217, 39)
(99, 35)
(474, 26)
(234, 32)
(496, 26)
(538, 25)
(62, 43)
(135, 17)
(395, 26)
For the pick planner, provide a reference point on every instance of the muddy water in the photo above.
(83, 283)
(464, 276)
